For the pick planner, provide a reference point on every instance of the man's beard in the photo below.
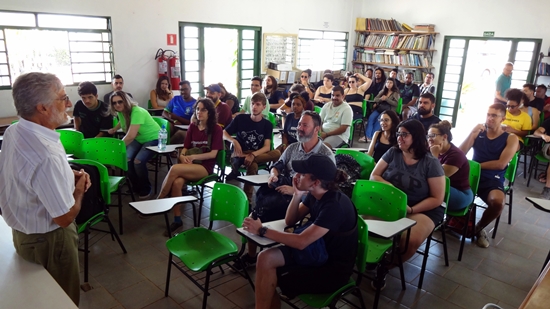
(423, 112)
(305, 138)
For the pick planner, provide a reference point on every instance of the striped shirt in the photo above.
(36, 182)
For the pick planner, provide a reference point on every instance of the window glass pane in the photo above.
(247, 74)
(191, 32)
(447, 103)
(520, 75)
(340, 55)
(87, 57)
(247, 44)
(86, 46)
(72, 22)
(107, 67)
(85, 36)
(191, 43)
(446, 111)
(526, 56)
(4, 69)
(456, 52)
(192, 77)
(3, 58)
(249, 34)
(341, 49)
(341, 43)
(457, 43)
(194, 86)
(246, 64)
(17, 19)
(329, 35)
(450, 86)
(310, 34)
(453, 69)
(88, 77)
(2, 47)
(526, 46)
(339, 61)
(191, 54)
(1, 35)
(454, 60)
(5, 81)
(452, 78)
(191, 65)
(88, 67)
(106, 57)
(248, 54)
(105, 36)
(522, 66)
(449, 94)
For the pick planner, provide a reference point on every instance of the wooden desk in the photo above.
(163, 206)
(24, 284)
(255, 180)
(539, 296)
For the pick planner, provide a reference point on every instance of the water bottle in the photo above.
(163, 138)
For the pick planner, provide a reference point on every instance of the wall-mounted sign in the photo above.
(489, 33)
(171, 39)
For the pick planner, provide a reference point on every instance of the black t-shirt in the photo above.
(250, 135)
(537, 103)
(290, 128)
(375, 88)
(407, 92)
(426, 122)
(92, 121)
(335, 212)
(546, 125)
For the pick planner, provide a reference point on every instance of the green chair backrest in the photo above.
(475, 172)
(15, 121)
(364, 107)
(378, 199)
(229, 203)
(510, 173)
(272, 118)
(399, 108)
(103, 177)
(447, 190)
(161, 121)
(149, 106)
(365, 161)
(363, 248)
(317, 109)
(541, 119)
(71, 141)
(105, 150)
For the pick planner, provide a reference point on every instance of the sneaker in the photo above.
(545, 193)
(174, 226)
(247, 260)
(482, 239)
(145, 196)
(373, 284)
(232, 176)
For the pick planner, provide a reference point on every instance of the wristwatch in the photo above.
(263, 230)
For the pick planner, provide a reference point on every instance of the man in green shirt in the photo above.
(504, 81)
(255, 86)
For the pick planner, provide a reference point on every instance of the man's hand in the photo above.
(237, 150)
(295, 180)
(272, 179)
(478, 129)
(252, 226)
(435, 150)
(82, 181)
(286, 190)
(111, 131)
(249, 159)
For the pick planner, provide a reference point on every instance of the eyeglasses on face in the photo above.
(402, 134)
(64, 98)
(117, 102)
(433, 135)
(511, 106)
(304, 76)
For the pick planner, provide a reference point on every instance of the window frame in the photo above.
(346, 44)
(107, 30)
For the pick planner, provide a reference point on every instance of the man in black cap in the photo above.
(333, 221)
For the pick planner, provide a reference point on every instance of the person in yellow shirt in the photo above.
(517, 121)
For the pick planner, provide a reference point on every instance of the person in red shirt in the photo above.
(214, 93)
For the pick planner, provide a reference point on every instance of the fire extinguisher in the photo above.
(175, 71)
(162, 63)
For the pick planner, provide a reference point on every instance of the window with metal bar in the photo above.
(320, 50)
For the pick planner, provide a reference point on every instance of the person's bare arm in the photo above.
(180, 120)
(499, 96)
(131, 134)
(437, 193)
(541, 132)
(153, 98)
(280, 103)
(77, 122)
(379, 169)
(230, 103)
(371, 145)
(341, 129)
(449, 170)
(505, 157)
(468, 143)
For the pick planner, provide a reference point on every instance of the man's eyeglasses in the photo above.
(117, 102)
(402, 134)
(64, 98)
(433, 135)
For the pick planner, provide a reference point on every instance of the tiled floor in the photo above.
(501, 274)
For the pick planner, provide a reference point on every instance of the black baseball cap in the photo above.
(320, 166)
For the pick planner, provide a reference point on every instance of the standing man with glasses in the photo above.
(41, 195)
(504, 81)
(493, 149)
(517, 121)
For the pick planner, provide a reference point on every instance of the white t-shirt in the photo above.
(335, 116)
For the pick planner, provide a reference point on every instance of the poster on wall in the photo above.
(279, 48)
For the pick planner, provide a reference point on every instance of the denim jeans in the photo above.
(459, 199)
(137, 172)
(373, 125)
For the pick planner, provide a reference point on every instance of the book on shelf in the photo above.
(395, 41)
(544, 68)
(377, 24)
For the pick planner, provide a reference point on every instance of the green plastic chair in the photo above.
(330, 299)
(99, 217)
(272, 118)
(149, 106)
(443, 240)
(201, 184)
(475, 172)
(317, 109)
(399, 108)
(111, 152)
(360, 121)
(201, 249)
(71, 141)
(365, 161)
(15, 121)
(387, 203)
(161, 121)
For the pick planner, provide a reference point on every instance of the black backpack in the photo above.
(92, 202)
(349, 165)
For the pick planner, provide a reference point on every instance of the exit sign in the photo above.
(489, 33)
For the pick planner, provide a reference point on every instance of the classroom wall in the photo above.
(507, 18)
(140, 28)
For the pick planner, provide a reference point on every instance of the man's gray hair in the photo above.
(31, 89)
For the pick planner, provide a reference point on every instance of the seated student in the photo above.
(410, 167)
(162, 94)
(141, 132)
(333, 218)
(426, 105)
(90, 114)
(214, 92)
(290, 127)
(297, 88)
(387, 99)
(409, 92)
(255, 86)
(304, 81)
(516, 122)
(274, 96)
(427, 86)
(355, 94)
(204, 134)
(369, 73)
(252, 144)
(337, 117)
(230, 99)
(279, 186)
(393, 74)
(179, 111)
(323, 93)
(322, 81)
(543, 132)
(532, 99)
(384, 139)
(454, 162)
(378, 83)
(117, 83)
(533, 112)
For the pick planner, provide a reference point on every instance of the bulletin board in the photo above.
(279, 48)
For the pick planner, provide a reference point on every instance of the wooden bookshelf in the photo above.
(395, 32)
(401, 49)
(392, 65)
